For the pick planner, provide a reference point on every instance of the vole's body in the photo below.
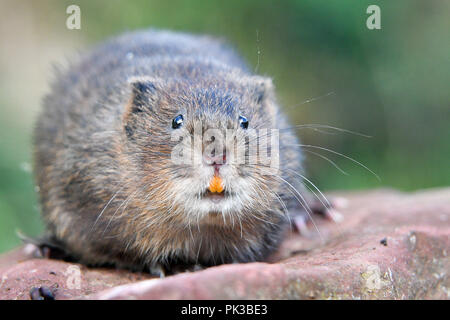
(109, 191)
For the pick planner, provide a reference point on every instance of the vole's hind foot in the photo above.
(180, 268)
(158, 270)
(47, 248)
(162, 271)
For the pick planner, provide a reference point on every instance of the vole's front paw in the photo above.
(330, 209)
(301, 219)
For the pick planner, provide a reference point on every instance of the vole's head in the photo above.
(198, 147)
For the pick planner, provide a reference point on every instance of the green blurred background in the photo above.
(392, 84)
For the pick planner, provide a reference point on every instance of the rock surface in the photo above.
(390, 245)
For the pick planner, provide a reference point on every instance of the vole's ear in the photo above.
(262, 88)
(145, 97)
(144, 94)
(263, 92)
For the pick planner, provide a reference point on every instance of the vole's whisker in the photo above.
(108, 203)
(303, 203)
(240, 223)
(315, 187)
(329, 160)
(263, 220)
(286, 211)
(106, 206)
(339, 154)
(311, 100)
(123, 202)
(312, 126)
(306, 207)
(326, 126)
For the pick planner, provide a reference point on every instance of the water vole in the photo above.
(110, 190)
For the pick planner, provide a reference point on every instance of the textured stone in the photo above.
(20, 272)
(390, 245)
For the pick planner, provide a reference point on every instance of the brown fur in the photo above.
(102, 154)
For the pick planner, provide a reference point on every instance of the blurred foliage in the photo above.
(391, 84)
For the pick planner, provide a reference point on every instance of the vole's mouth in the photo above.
(214, 196)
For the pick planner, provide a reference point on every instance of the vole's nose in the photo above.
(216, 160)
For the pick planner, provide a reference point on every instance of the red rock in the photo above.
(349, 263)
(20, 272)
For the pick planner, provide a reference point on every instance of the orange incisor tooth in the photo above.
(215, 185)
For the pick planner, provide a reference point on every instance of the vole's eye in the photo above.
(177, 121)
(243, 122)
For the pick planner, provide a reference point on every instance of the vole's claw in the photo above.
(333, 215)
(300, 224)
